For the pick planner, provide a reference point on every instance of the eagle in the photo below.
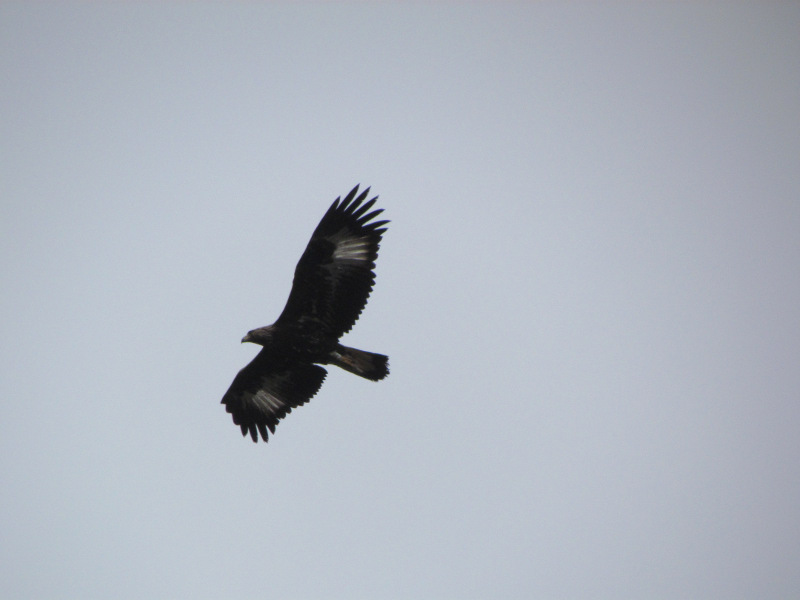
(332, 282)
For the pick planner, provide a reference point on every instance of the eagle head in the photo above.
(262, 336)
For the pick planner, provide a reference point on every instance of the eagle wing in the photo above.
(267, 389)
(334, 276)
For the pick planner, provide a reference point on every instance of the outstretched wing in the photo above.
(267, 390)
(334, 277)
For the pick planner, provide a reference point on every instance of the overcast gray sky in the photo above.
(589, 292)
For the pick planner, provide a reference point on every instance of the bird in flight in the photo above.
(332, 282)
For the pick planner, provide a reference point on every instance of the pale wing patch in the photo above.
(267, 398)
(352, 249)
(265, 401)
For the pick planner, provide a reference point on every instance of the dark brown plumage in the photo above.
(332, 282)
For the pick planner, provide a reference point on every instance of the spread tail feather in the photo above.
(368, 365)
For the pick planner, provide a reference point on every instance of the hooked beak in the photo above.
(246, 338)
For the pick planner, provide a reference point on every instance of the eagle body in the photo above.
(332, 282)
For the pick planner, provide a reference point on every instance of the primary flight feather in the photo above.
(332, 282)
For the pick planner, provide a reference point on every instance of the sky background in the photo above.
(589, 291)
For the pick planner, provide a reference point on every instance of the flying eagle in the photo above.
(332, 282)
